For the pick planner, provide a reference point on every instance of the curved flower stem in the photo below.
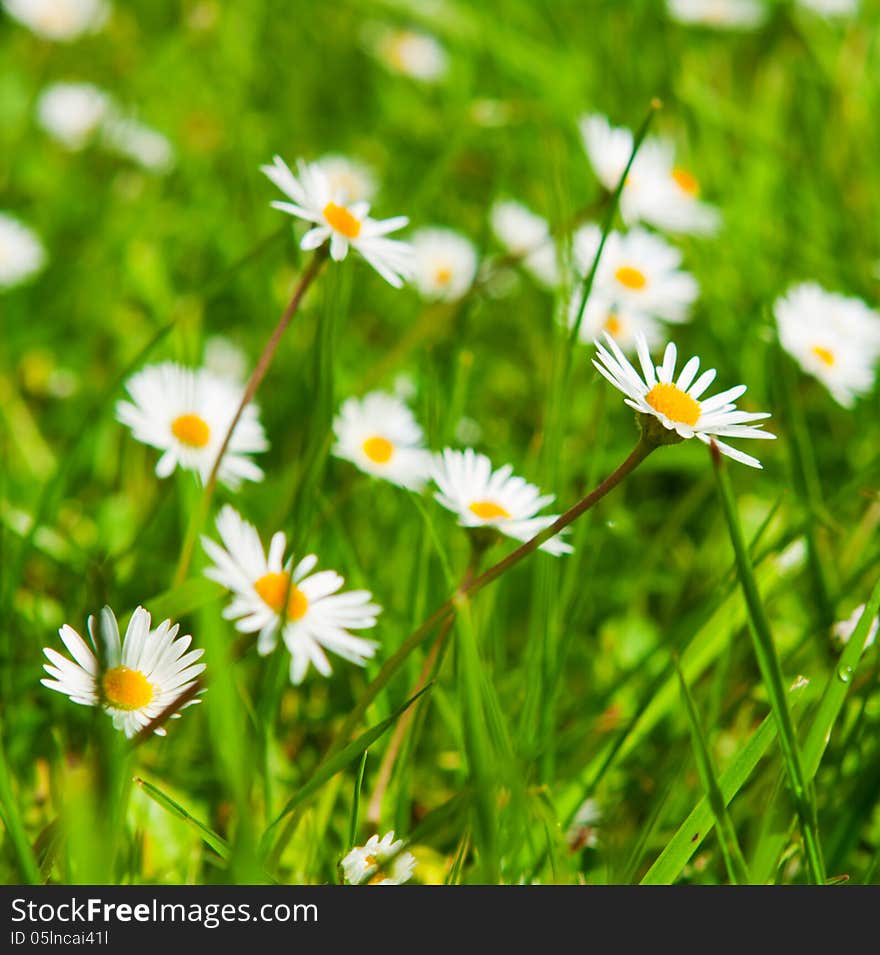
(256, 378)
(461, 596)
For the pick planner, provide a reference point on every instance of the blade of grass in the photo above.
(734, 860)
(356, 799)
(14, 824)
(771, 674)
(700, 821)
(207, 835)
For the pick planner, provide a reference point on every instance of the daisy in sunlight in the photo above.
(186, 413)
(379, 862)
(272, 595)
(60, 20)
(732, 14)
(340, 222)
(445, 264)
(834, 338)
(639, 274)
(657, 191)
(483, 497)
(380, 435)
(527, 238)
(656, 396)
(133, 680)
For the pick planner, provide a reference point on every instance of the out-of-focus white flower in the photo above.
(445, 264)
(657, 190)
(72, 112)
(225, 359)
(729, 14)
(831, 8)
(527, 237)
(583, 832)
(21, 253)
(59, 20)
(353, 181)
(832, 337)
(843, 631)
(146, 146)
(417, 55)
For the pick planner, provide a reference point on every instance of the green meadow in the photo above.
(666, 704)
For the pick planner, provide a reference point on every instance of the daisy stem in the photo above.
(587, 285)
(771, 674)
(448, 609)
(253, 383)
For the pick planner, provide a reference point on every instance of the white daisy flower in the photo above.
(734, 14)
(638, 273)
(657, 190)
(267, 591)
(832, 337)
(380, 435)
(625, 325)
(128, 137)
(482, 497)
(445, 264)
(342, 224)
(677, 405)
(186, 413)
(526, 236)
(843, 631)
(416, 55)
(21, 253)
(367, 863)
(136, 679)
(60, 20)
(831, 8)
(72, 112)
(351, 180)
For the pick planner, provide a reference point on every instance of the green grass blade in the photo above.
(771, 674)
(208, 836)
(734, 861)
(700, 822)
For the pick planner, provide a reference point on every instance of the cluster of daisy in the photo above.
(380, 435)
(748, 14)
(78, 114)
(379, 862)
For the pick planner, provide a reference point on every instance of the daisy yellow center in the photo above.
(191, 430)
(687, 182)
(825, 355)
(273, 587)
(676, 404)
(613, 325)
(488, 510)
(378, 449)
(631, 278)
(126, 689)
(443, 275)
(340, 219)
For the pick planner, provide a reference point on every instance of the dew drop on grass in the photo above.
(844, 674)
